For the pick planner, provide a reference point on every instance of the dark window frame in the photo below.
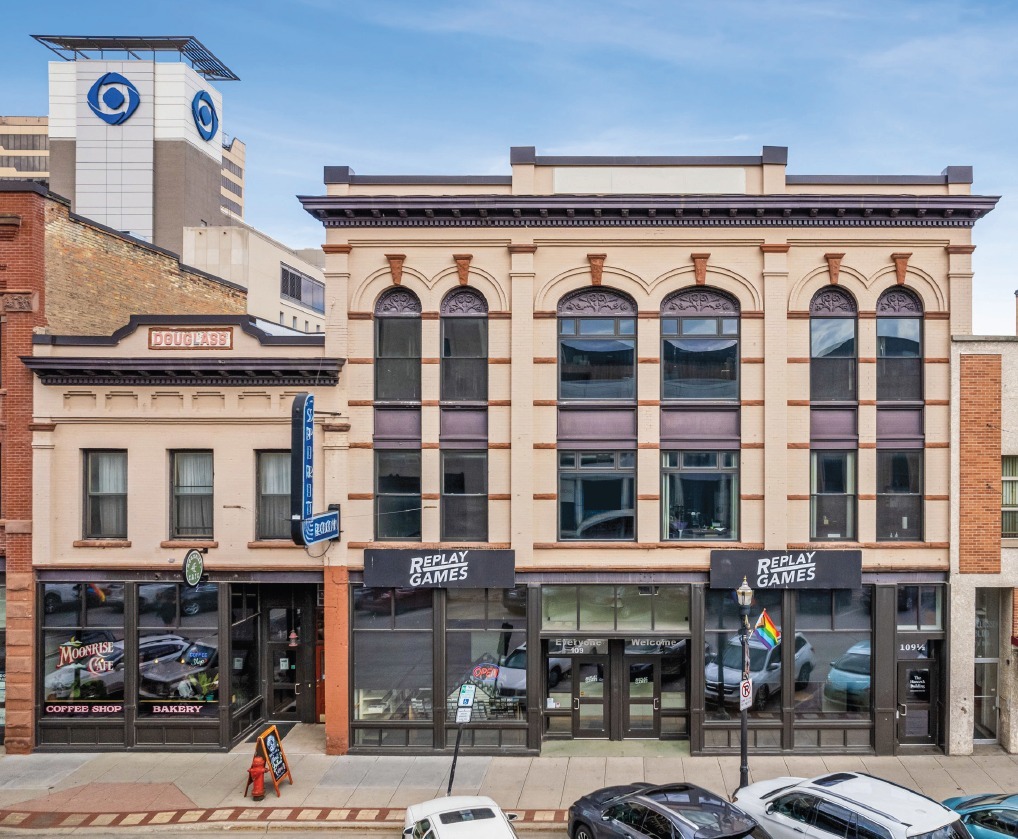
(477, 364)
(175, 526)
(386, 536)
(888, 497)
(678, 322)
(578, 471)
(90, 497)
(851, 497)
(669, 522)
(262, 532)
(617, 335)
(481, 533)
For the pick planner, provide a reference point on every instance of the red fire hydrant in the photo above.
(256, 779)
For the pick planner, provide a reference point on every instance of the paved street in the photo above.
(364, 794)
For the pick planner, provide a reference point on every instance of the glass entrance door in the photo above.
(987, 663)
(283, 663)
(290, 634)
(917, 702)
(642, 702)
(590, 696)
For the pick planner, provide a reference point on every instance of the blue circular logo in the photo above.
(113, 98)
(206, 120)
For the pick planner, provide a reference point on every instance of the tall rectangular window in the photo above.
(191, 516)
(398, 495)
(273, 517)
(464, 359)
(465, 496)
(899, 359)
(106, 495)
(832, 495)
(899, 495)
(832, 360)
(398, 359)
(700, 495)
(700, 358)
(1009, 506)
(597, 495)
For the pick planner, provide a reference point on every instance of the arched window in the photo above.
(464, 347)
(597, 345)
(398, 347)
(899, 346)
(833, 353)
(700, 345)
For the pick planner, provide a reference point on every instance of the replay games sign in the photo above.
(417, 568)
(786, 569)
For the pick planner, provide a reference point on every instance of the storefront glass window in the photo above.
(835, 678)
(83, 661)
(178, 650)
(723, 670)
(393, 672)
(244, 677)
(619, 608)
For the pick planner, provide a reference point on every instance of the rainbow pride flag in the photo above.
(766, 631)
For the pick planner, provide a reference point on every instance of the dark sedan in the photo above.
(672, 811)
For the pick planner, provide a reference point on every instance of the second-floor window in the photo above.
(899, 346)
(1009, 505)
(398, 495)
(699, 346)
(464, 347)
(191, 516)
(597, 346)
(832, 334)
(700, 495)
(597, 495)
(273, 511)
(899, 495)
(398, 347)
(106, 495)
(832, 495)
(464, 496)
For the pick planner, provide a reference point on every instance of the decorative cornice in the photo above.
(774, 248)
(753, 211)
(960, 249)
(337, 248)
(522, 248)
(186, 372)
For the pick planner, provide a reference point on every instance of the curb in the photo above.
(234, 818)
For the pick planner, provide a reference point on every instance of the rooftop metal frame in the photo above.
(190, 49)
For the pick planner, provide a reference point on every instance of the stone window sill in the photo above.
(273, 544)
(188, 543)
(101, 543)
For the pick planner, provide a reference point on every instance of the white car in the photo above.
(459, 817)
(724, 673)
(512, 672)
(846, 804)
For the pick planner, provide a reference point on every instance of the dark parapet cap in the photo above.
(528, 154)
(958, 174)
(345, 175)
(775, 154)
(522, 154)
(338, 174)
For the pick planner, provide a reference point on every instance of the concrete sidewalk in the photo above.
(74, 791)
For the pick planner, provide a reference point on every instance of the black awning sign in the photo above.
(463, 568)
(788, 569)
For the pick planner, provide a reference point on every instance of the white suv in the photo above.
(847, 805)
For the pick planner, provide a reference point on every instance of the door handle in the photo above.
(576, 704)
(296, 689)
(657, 703)
(902, 710)
(798, 830)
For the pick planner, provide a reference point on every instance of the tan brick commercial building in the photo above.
(984, 557)
(632, 381)
(63, 273)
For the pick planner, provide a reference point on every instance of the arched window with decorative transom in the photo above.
(899, 346)
(833, 346)
(597, 345)
(464, 346)
(700, 345)
(398, 346)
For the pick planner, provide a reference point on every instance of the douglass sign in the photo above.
(467, 568)
(788, 569)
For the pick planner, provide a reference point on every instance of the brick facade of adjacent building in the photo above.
(64, 274)
(979, 475)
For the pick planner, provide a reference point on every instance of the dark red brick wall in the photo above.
(979, 476)
(81, 279)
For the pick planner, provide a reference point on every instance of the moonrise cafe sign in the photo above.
(786, 569)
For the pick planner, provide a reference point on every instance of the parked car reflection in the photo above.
(847, 686)
(724, 673)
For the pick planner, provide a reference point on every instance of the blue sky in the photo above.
(447, 86)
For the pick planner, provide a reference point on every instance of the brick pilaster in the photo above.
(980, 470)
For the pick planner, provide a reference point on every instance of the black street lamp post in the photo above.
(745, 595)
